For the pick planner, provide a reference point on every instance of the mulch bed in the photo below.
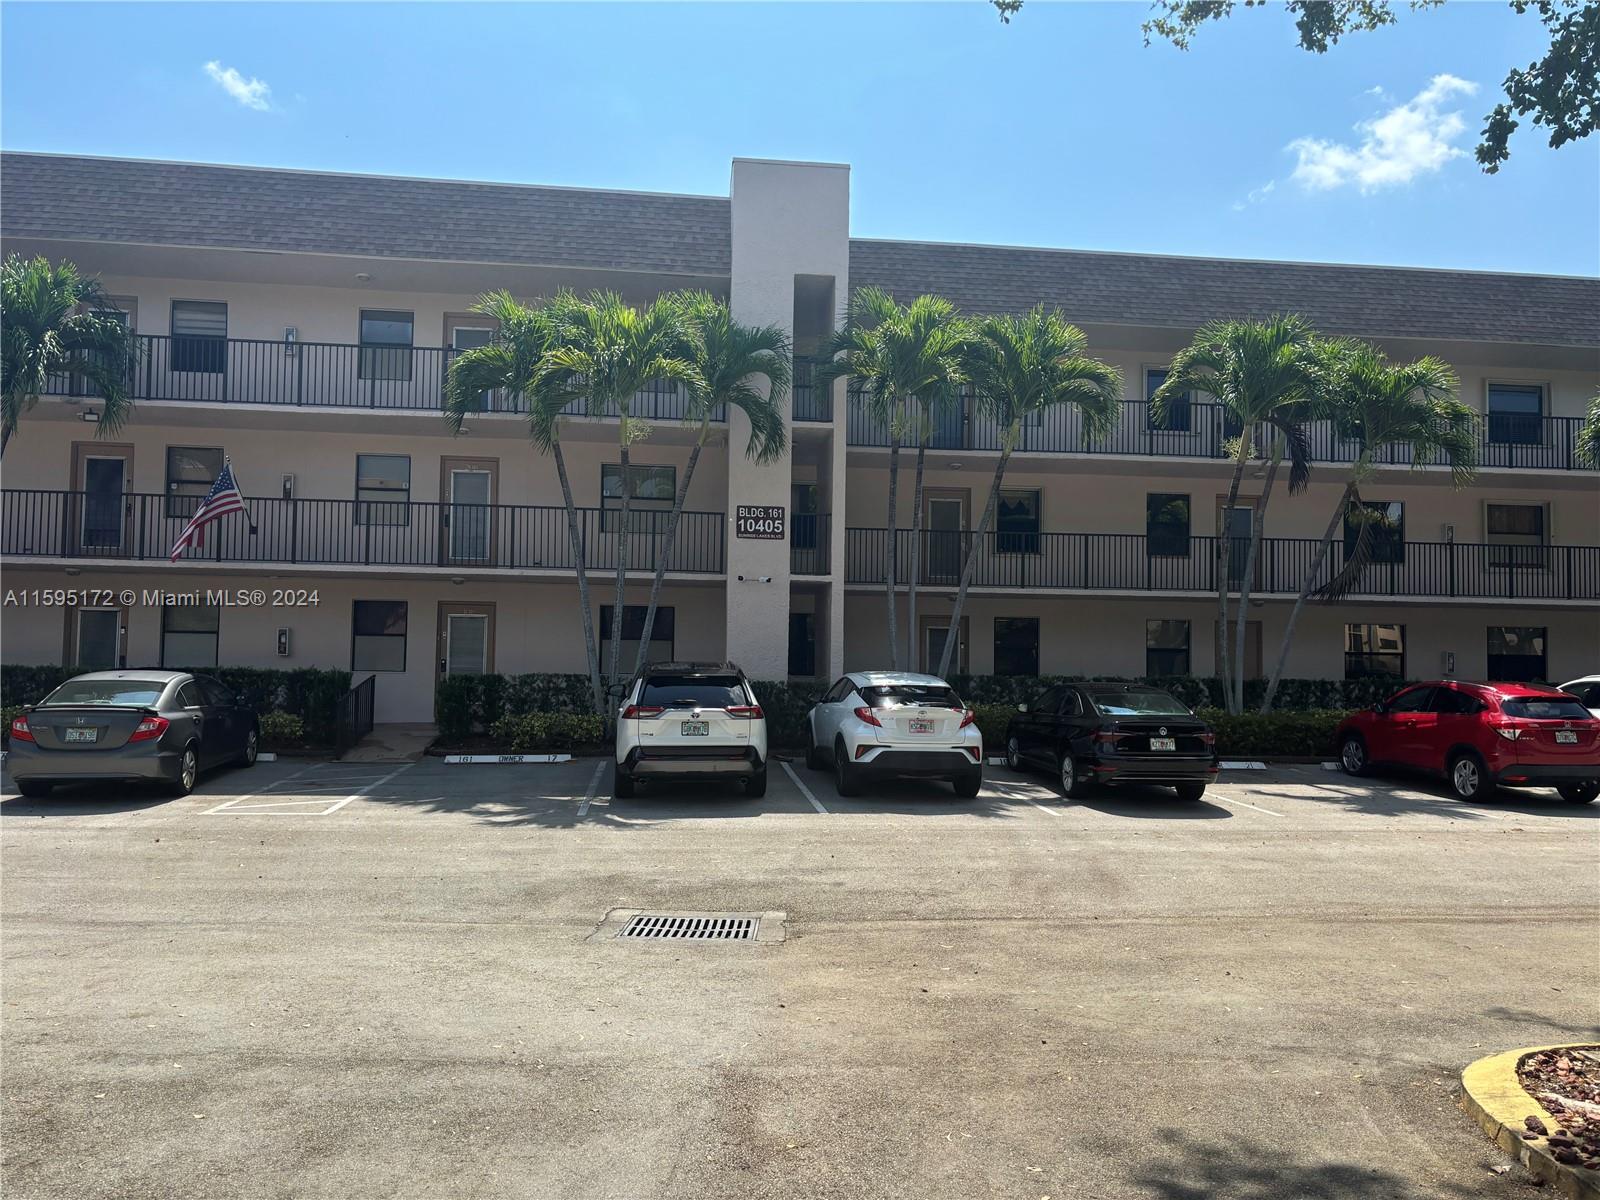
(1567, 1083)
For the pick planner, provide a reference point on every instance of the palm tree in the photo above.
(603, 351)
(1378, 404)
(56, 328)
(1263, 375)
(513, 363)
(1588, 448)
(1021, 367)
(925, 411)
(895, 354)
(726, 359)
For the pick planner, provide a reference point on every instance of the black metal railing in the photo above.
(1124, 562)
(353, 718)
(140, 526)
(1204, 430)
(324, 375)
(808, 544)
(811, 403)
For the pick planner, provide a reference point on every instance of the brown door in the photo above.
(97, 639)
(1252, 648)
(932, 643)
(1234, 524)
(945, 514)
(100, 516)
(466, 639)
(467, 525)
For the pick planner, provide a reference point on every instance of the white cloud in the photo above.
(1411, 139)
(252, 93)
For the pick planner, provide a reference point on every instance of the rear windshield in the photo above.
(927, 695)
(693, 691)
(143, 692)
(1542, 709)
(1138, 704)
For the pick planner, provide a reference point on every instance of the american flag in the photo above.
(223, 498)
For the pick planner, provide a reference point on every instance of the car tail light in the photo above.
(867, 715)
(1107, 736)
(634, 711)
(968, 717)
(148, 729)
(751, 711)
(1207, 738)
(863, 750)
(1510, 732)
(20, 730)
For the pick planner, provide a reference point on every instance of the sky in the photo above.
(1060, 129)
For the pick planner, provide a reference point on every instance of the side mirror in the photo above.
(1022, 708)
(1381, 707)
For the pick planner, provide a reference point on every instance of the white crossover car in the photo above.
(894, 723)
(1587, 690)
(690, 721)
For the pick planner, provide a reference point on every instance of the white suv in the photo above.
(894, 723)
(690, 721)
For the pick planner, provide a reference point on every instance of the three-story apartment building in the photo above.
(300, 324)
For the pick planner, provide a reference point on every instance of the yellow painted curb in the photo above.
(1492, 1095)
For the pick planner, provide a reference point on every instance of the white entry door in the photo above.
(470, 491)
(466, 650)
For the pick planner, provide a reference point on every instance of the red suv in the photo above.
(1478, 736)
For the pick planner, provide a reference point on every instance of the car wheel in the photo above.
(845, 776)
(252, 747)
(188, 773)
(1353, 755)
(756, 785)
(1013, 754)
(1190, 792)
(621, 785)
(1468, 779)
(969, 785)
(34, 789)
(1073, 784)
(814, 760)
(1573, 793)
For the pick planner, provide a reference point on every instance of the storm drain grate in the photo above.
(668, 927)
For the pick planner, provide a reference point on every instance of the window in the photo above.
(378, 635)
(1516, 413)
(1166, 524)
(1417, 699)
(661, 635)
(1541, 708)
(651, 492)
(214, 693)
(1016, 645)
(1516, 653)
(1448, 702)
(695, 691)
(1375, 650)
(385, 344)
(1166, 648)
(1178, 415)
(383, 489)
(1520, 531)
(199, 336)
(191, 470)
(1386, 530)
(189, 695)
(1017, 523)
(1049, 702)
(892, 695)
(189, 635)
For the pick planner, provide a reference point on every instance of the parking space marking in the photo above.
(1242, 803)
(594, 784)
(255, 804)
(804, 790)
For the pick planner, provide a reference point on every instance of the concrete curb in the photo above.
(1492, 1095)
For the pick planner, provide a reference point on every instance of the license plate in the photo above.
(82, 735)
(919, 726)
(1163, 743)
(696, 728)
(1566, 737)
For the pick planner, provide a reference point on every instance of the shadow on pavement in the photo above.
(919, 797)
(1139, 801)
(85, 800)
(1522, 1016)
(1389, 796)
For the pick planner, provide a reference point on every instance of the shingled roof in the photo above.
(1145, 289)
(193, 204)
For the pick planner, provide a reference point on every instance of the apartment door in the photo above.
(466, 639)
(1234, 525)
(101, 519)
(468, 486)
(466, 332)
(934, 630)
(944, 520)
(94, 638)
(122, 310)
(1252, 648)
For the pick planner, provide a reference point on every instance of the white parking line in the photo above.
(594, 784)
(804, 790)
(255, 805)
(1213, 793)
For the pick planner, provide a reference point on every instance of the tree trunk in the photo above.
(5, 440)
(664, 562)
(1258, 525)
(952, 636)
(590, 646)
(1306, 585)
(916, 559)
(619, 608)
(1224, 550)
(889, 562)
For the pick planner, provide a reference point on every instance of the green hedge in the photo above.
(1294, 695)
(309, 693)
(548, 731)
(1291, 734)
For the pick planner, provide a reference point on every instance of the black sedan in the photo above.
(1110, 733)
(149, 726)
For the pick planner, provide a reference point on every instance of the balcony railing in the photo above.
(323, 375)
(811, 403)
(1203, 430)
(808, 544)
(1126, 562)
(142, 526)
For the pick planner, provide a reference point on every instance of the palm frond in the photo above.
(1587, 448)
(1022, 366)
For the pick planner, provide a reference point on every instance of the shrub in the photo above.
(1291, 734)
(548, 731)
(282, 729)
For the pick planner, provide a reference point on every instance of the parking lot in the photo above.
(381, 979)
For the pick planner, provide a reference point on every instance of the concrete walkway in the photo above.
(392, 743)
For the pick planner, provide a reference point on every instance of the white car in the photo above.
(1587, 690)
(690, 721)
(894, 723)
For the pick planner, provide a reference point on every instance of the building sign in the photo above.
(759, 521)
